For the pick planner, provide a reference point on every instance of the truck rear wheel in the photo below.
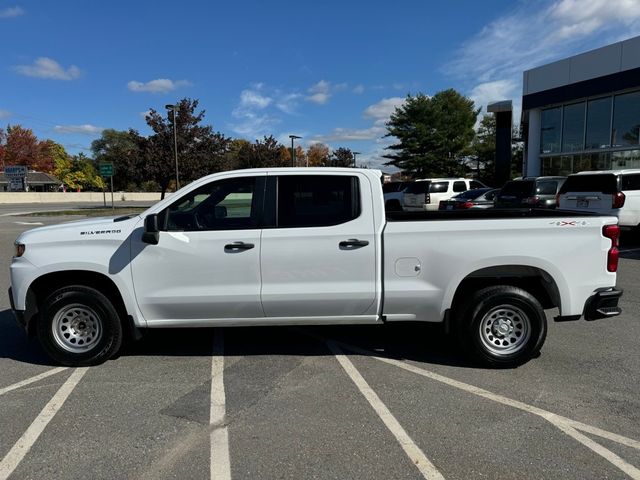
(79, 327)
(502, 326)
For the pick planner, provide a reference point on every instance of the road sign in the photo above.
(106, 169)
(17, 171)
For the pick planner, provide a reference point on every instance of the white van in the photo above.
(426, 193)
(609, 192)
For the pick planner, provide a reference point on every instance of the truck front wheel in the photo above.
(79, 327)
(502, 326)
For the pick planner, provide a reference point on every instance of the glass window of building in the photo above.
(573, 128)
(598, 124)
(550, 130)
(626, 120)
(626, 159)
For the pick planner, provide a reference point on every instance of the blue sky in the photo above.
(329, 71)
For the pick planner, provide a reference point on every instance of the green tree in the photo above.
(62, 164)
(484, 150)
(434, 134)
(265, 153)
(83, 174)
(200, 150)
(119, 148)
(342, 157)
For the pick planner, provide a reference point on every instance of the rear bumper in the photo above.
(603, 304)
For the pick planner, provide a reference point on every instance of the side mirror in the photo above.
(151, 232)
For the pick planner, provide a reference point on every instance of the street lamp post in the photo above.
(293, 152)
(354, 159)
(173, 109)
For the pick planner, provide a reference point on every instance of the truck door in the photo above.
(207, 262)
(319, 259)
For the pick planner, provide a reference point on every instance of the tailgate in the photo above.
(589, 201)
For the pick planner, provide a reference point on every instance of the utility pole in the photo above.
(293, 151)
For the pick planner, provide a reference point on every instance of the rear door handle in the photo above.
(352, 244)
(238, 247)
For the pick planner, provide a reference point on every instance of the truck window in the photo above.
(591, 182)
(222, 205)
(317, 200)
(547, 187)
(631, 181)
(459, 186)
(438, 187)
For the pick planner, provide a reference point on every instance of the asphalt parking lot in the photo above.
(388, 402)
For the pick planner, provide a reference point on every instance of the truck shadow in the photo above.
(15, 344)
(423, 343)
(417, 342)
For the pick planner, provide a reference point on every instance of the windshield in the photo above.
(604, 182)
(518, 188)
(417, 188)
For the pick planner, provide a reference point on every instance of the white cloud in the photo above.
(11, 12)
(85, 129)
(159, 85)
(535, 33)
(287, 102)
(358, 89)
(352, 134)
(485, 93)
(254, 99)
(145, 114)
(381, 111)
(320, 92)
(45, 67)
(5, 113)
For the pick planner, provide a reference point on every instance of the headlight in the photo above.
(19, 249)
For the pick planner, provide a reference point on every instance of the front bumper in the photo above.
(18, 314)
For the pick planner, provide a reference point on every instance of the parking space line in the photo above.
(30, 436)
(567, 425)
(219, 438)
(417, 456)
(608, 455)
(31, 380)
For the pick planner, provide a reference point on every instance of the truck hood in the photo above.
(101, 227)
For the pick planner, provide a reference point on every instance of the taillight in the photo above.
(532, 200)
(618, 200)
(465, 205)
(442, 205)
(557, 199)
(427, 198)
(612, 232)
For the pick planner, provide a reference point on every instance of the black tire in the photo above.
(502, 326)
(79, 327)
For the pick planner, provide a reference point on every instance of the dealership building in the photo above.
(583, 112)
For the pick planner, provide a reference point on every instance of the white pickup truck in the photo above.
(311, 246)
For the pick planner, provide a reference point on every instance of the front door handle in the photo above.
(238, 247)
(352, 244)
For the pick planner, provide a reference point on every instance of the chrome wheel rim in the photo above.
(505, 330)
(76, 328)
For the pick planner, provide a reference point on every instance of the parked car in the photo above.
(610, 192)
(539, 192)
(310, 246)
(478, 198)
(393, 195)
(427, 193)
